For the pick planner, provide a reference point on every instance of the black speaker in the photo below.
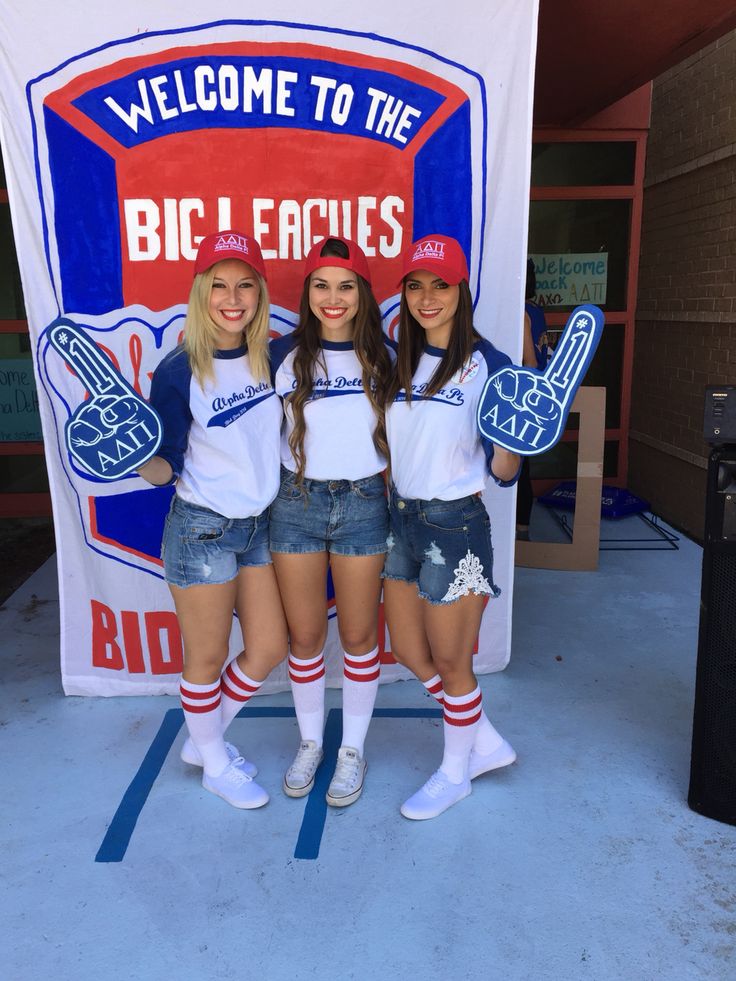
(713, 763)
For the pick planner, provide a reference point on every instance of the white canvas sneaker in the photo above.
(346, 785)
(438, 793)
(299, 778)
(236, 787)
(191, 755)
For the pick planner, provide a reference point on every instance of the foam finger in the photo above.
(90, 364)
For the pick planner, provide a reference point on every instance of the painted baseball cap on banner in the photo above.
(229, 245)
(356, 259)
(438, 254)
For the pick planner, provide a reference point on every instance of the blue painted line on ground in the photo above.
(313, 823)
(315, 813)
(261, 712)
(428, 713)
(116, 841)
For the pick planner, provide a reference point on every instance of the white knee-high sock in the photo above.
(308, 690)
(201, 704)
(461, 717)
(434, 688)
(361, 673)
(237, 688)
(487, 739)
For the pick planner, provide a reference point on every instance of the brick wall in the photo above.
(686, 309)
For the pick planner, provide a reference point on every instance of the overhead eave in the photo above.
(591, 54)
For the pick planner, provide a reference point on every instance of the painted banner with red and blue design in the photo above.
(124, 146)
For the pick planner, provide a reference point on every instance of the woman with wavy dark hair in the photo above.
(332, 374)
(439, 568)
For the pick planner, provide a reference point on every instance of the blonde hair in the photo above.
(201, 332)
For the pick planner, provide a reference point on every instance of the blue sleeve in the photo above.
(494, 360)
(170, 398)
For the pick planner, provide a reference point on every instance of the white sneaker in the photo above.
(299, 778)
(235, 786)
(191, 755)
(346, 785)
(438, 793)
(479, 763)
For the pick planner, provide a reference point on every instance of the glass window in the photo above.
(23, 475)
(580, 250)
(584, 164)
(19, 418)
(11, 295)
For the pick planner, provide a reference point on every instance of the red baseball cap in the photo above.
(356, 259)
(438, 254)
(229, 245)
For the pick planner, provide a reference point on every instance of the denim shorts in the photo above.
(202, 547)
(345, 517)
(442, 546)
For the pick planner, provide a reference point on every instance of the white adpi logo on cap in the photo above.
(430, 249)
(229, 242)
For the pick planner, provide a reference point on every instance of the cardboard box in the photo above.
(581, 554)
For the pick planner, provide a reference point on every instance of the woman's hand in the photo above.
(156, 471)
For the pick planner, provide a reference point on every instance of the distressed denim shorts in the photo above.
(345, 517)
(202, 547)
(442, 546)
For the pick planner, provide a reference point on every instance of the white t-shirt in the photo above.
(436, 448)
(340, 419)
(221, 440)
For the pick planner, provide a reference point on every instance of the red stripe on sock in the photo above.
(453, 706)
(235, 695)
(356, 663)
(304, 678)
(186, 693)
(461, 722)
(433, 689)
(247, 689)
(363, 677)
(200, 708)
(295, 665)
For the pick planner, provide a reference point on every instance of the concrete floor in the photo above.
(582, 861)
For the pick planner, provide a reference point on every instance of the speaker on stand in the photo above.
(713, 762)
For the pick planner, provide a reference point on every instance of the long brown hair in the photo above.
(413, 340)
(370, 350)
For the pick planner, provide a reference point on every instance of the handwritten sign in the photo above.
(566, 279)
(19, 418)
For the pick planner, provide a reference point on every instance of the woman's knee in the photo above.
(358, 641)
(306, 644)
(452, 669)
(204, 668)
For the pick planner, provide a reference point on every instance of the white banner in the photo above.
(130, 131)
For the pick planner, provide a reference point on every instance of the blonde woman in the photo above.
(220, 448)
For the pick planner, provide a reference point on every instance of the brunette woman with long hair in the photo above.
(331, 509)
(439, 568)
